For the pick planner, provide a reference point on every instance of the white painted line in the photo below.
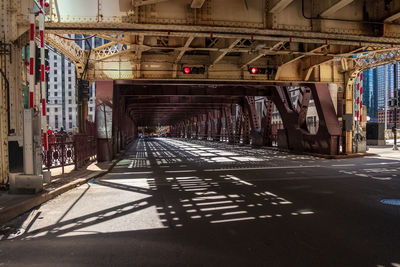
(261, 168)
(181, 171)
(343, 165)
(234, 220)
(128, 173)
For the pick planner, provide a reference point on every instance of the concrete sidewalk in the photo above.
(385, 152)
(12, 205)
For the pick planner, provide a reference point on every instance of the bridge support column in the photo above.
(255, 128)
(266, 122)
(219, 125)
(238, 124)
(228, 124)
(206, 126)
(294, 137)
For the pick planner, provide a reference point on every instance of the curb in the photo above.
(14, 211)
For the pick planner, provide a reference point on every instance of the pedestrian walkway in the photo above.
(11, 205)
(385, 152)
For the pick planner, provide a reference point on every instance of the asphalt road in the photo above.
(176, 203)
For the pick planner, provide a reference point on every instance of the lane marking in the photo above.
(261, 168)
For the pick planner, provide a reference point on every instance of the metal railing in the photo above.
(67, 150)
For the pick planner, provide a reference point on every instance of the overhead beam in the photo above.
(189, 40)
(182, 100)
(182, 51)
(336, 7)
(262, 54)
(197, 3)
(278, 73)
(280, 6)
(137, 3)
(393, 17)
(226, 51)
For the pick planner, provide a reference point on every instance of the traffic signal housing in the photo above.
(193, 70)
(257, 70)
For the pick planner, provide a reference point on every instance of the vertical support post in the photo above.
(349, 97)
(32, 50)
(188, 129)
(219, 126)
(42, 78)
(62, 152)
(206, 128)
(253, 121)
(238, 124)
(246, 126)
(266, 122)
(395, 107)
(386, 94)
(228, 124)
(212, 124)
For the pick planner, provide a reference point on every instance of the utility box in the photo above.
(375, 134)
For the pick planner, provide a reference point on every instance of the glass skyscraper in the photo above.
(374, 83)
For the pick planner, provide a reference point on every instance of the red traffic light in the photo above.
(193, 70)
(254, 70)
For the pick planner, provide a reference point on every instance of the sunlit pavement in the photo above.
(177, 203)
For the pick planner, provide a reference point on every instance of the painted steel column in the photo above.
(42, 78)
(238, 125)
(246, 128)
(189, 129)
(228, 124)
(212, 124)
(32, 50)
(206, 127)
(219, 126)
(254, 123)
(349, 94)
(266, 122)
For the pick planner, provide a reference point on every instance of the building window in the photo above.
(69, 93)
(55, 86)
(70, 117)
(69, 101)
(69, 86)
(69, 71)
(69, 64)
(55, 64)
(70, 109)
(55, 71)
(90, 109)
(56, 110)
(55, 79)
(48, 110)
(55, 101)
(69, 79)
(70, 125)
(55, 57)
(47, 119)
(55, 94)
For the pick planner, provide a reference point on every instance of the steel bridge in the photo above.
(312, 46)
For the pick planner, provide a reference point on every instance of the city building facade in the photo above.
(61, 88)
